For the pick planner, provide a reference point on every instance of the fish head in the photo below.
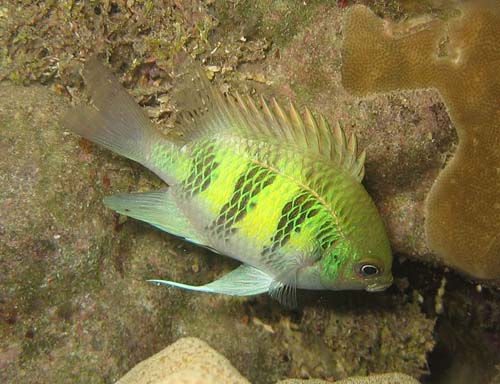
(351, 265)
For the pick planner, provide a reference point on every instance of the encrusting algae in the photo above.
(276, 191)
(459, 56)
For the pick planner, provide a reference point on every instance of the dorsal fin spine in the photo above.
(285, 121)
(298, 123)
(268, 113)
(313, 126)
(358, 169)
(311, 123)
(340, 140)
(212, 112)
(352, 146)
(255, 111)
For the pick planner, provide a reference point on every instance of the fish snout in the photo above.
(380, 285)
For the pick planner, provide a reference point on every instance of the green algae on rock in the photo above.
(459, 56)
(42, 40)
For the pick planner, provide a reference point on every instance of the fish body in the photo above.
(278, 191)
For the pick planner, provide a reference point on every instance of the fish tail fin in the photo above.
(116, 121)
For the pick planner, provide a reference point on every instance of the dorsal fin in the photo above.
(207, 111)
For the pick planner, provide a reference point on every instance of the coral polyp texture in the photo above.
(459, 55)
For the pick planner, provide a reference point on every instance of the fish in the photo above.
(278, 190)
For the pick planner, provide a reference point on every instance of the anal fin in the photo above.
(243, 281)
(157, 208)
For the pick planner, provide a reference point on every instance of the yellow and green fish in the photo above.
(279, 191)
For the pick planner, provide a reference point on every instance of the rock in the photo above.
(385, 378)
(74, 275)
(187, 361)
(74, 291)
(74, 303)
(192, 361)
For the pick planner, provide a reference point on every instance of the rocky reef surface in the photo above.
(74, 304)
(191, 361)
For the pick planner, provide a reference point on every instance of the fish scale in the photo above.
(201, 170)
(251, 182)
(281, 228)
(277, 191)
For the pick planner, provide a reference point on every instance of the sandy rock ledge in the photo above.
(187, 361)
(192, 361)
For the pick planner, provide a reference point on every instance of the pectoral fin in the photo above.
(286, 267)
(157, 208)
(284, 289)
(243, 281)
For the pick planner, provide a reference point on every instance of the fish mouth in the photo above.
(377, 287)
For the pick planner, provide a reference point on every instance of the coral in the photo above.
(458, 56)
(187, 361)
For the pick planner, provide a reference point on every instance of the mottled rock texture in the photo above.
(385, 378)
(192, 361)
(74, 305)
(74, 296)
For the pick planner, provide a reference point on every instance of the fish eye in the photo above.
(367, 270)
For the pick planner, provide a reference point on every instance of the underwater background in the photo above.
(74, 304)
